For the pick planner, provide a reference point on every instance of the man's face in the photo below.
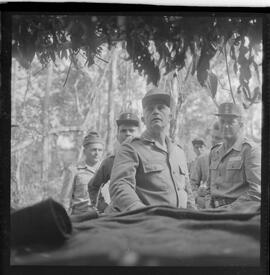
(93, 153)
(198, 149)
(229, 126)
(156, 116)
(126, 130)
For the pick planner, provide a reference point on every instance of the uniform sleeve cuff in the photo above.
(135, 205)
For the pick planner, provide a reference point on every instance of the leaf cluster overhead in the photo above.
(172, 37)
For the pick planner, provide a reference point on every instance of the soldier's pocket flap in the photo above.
(235, 164)
(153, 167)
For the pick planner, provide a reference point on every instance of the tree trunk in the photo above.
(13, 93)
(110, 110)
(45, 119)
(98, 123)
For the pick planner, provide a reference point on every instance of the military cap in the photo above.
(127, 118)
(229, 109)
(199, 141)
(92, 137)
(156, 94)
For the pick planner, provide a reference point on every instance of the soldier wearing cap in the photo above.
(235, 164)
(127, 126)
(151, 170)
(74, 195)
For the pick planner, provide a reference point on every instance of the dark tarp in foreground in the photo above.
(156, 235)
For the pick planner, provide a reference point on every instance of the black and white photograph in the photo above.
(136, 136)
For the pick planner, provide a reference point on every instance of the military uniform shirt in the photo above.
(236, 174)
(144, 174)
(199, 171)
(101, 177)
(74, 195)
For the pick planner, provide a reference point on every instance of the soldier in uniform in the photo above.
(235, 164)
(127, 126)
(200, 172)
(151, 169)
(74, 194)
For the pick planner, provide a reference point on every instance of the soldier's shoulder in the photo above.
(109, 157)
(108, 160)
(248, 142)
(72, 166)
(203, 156)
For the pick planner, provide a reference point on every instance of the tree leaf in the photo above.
(213, 83)
(232, 53)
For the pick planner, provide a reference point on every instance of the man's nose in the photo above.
(155, 110)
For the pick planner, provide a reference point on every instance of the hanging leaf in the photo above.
(213, 83)
(194, 63)
(232, 53)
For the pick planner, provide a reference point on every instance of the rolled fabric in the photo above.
(46, 222)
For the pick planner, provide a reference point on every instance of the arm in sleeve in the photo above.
(123, 179)
(252, 175)
(190, 198)
(195, 177)
(67, 189)
(96, 183)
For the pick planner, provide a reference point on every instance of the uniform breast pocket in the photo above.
(154, 177)
(234, 171)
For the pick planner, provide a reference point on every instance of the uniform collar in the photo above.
(145, 136)
(237, 146)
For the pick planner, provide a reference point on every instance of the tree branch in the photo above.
(222, 87)
(228, 73)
